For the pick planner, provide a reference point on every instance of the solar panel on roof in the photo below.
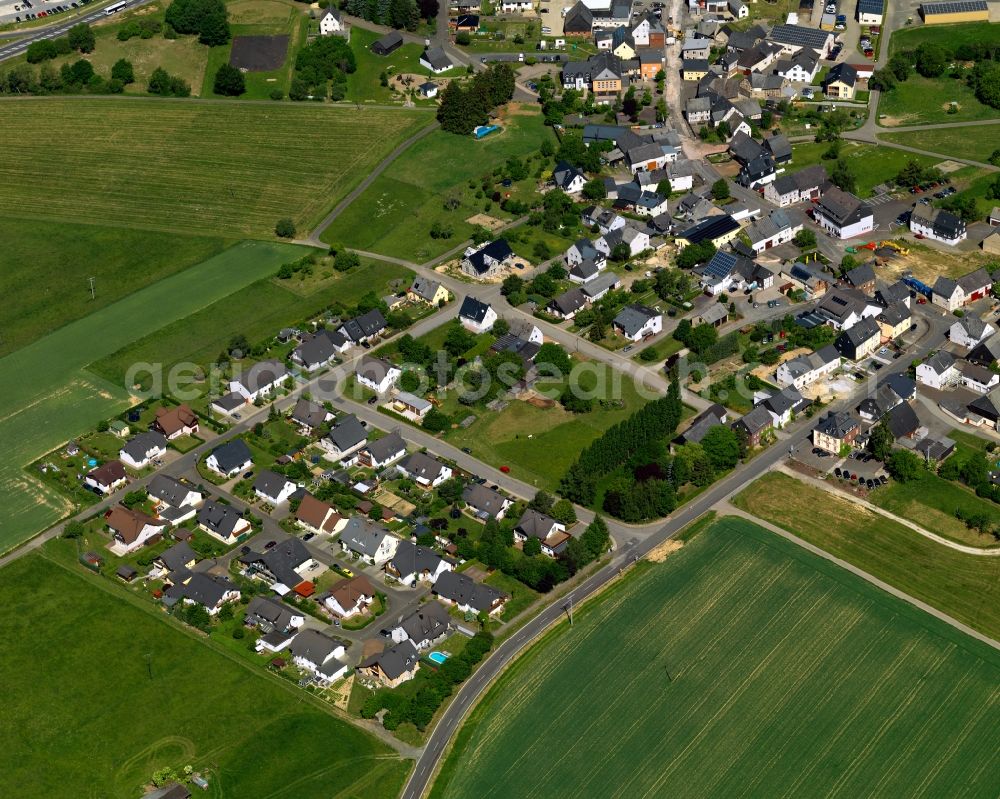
(954, 7)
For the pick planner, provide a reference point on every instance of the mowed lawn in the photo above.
(925, 101)
(202, 335)
(966, 587)
(741, 666)
(220, 168)
(539, 444)
(869, 163)
(395, 214)
(945, 35)
(85, 716)
(49, 397)
(45, 269)
(976, 142)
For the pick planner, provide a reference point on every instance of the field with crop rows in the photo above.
(742, 666)
(206, 167)
(48, 396)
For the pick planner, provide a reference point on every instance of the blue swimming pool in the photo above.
(438, 657)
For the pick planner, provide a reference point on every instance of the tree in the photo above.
(722, 447)
(122, 70)
(531, 547)
(542, 502)
(79, 73)
(931, 60)
(842, 177)
(73, 529)
(206, 18)
(694, 254)
(436, 421)
(881, 440)
(594, 189)
(458, 340)
(555, 356)
(284, 229)
(720, 190)
(345, 260)
(900, 66)
(451, 490)
(620, 252)
(229, 81)
(512, 284)
(804, 239)
(702, 337)
(81, 38)
(563, 511)
(904, 465)
(882, 79)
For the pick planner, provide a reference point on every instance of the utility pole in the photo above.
(569, 610)
(149, 664)
(93, 295)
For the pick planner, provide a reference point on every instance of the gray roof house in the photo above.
(413, 563)
(485, 501)
(368, 540)
(467, 594)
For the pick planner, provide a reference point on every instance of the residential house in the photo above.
(412, 563)
(377, 374)
(778, 227)
(800, 68)
(568, 178)
(330, 22)
(647, 157)
(175, 422)
(894, 321)
(566, 305)
(350, 597)
(874, 407)
(794, 38)
(603, 75)
(426, 626)
(938, 224)
(132, 529)
(345, 438)
(809, 277)
(222, 521)
(144, 448)
(902, 421)
(267, 614)
(757, 172)
(315, 652)
(383, 451)
(807, 369)
(551, 534)
(635, 239)
(211, 591)
(938, 371)
(273, 487)
(579, 21)
(468, 596)
(754, 424)
(230, 459)
(840, 82)
(727, 271)
(698, 111)
(970, 331)
(283, 566)
(309, 416)
(318, 517)
(894, 292)
(601, 285)
(694, 68)
(229, 404)
(651, 62)
(436, 60)
(395, 665)
(803, 186)
(425, 470)
(987, 408)
(720, 230)
(476, 316)
(368, 541)
(977, 378)
(842, 308)
(952, 294)
(485, 502)
(178, 558)
(715, 416)
(317, 351)
(583, 250)
(835, 430)
(860, 340)
(175, 501)
(694, 47)
(782, 405)
(260, 380)
(605, 220)
(843, 214)
(779, 147)
(650, 203)
(426, 290)
(464, 22)
(635, 322)
(367, 327)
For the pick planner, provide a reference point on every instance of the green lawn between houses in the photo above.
(120, 261)
(84, 715)
(394, 215)
(869, 163)
(214, 167)
(742, 665)
(50, 397)
(966, 587)
(976, 143)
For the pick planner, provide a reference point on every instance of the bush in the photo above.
(81, 38)
(229, 81)
(122, 70)
(285, 229)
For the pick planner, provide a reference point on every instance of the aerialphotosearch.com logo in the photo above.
(472, 382)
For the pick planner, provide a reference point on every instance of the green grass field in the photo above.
(191, 167)
(966, 587)
(945, 35)
(395, 214)
(742, 666)
(49, 397)
(364, 86)
(869, 163)
(104, 723)
(120, 260)
(976, 143)
(540, 444)
(925, 101)
(202, 335)
(931, 502)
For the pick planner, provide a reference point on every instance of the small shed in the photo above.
(428, 90)
(387, 44)
(127, 573)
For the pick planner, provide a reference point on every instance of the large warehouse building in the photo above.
(955, 11)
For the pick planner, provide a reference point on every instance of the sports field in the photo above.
(395, 214)
(48, 396)
(203, 167)
(120, 260)
(741, 666)
(100, 693)
(966, 587)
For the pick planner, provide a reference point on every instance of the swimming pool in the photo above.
(438, 657)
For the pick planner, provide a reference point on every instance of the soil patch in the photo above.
(661, 552)
(259, 53)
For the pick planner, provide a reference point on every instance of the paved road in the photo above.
(53, 31)
(467, 696)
